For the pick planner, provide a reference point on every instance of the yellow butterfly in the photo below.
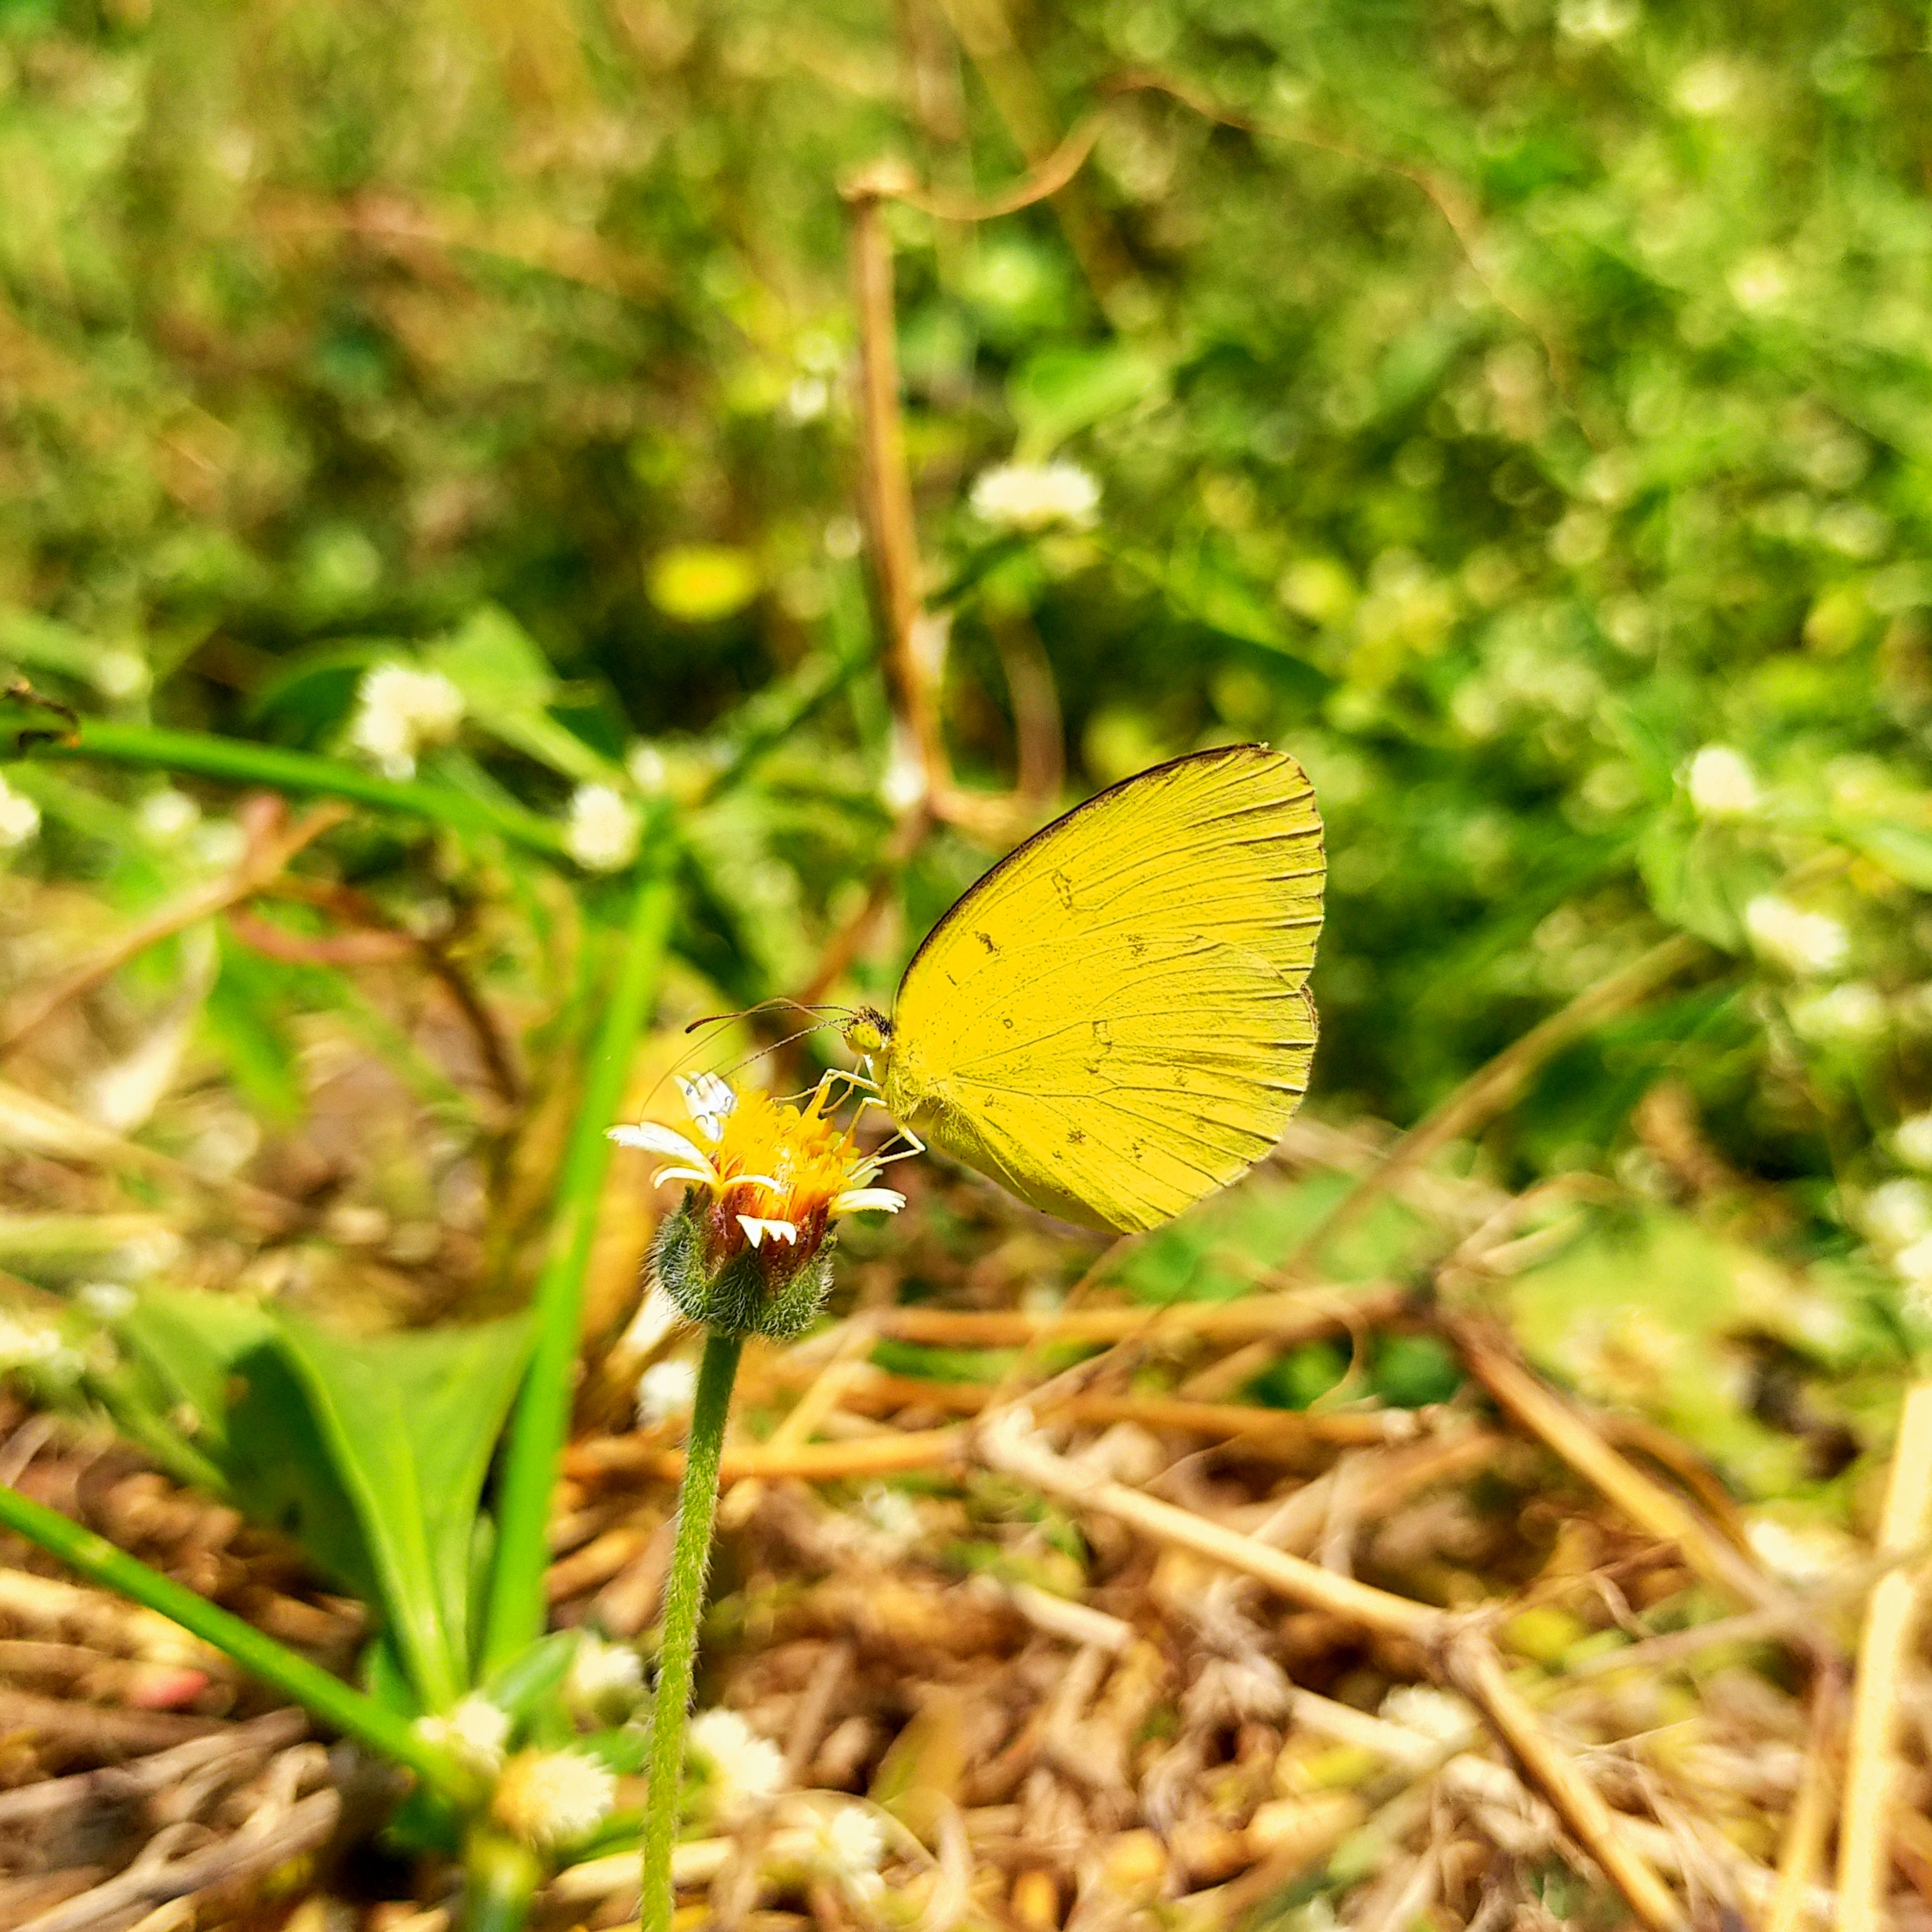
(1115, 1020)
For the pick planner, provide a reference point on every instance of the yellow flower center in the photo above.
(812, 1159)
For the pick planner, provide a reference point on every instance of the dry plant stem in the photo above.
(888, 1454)
(1802, 1850)
(1293, 1316)
(886, 487)
(152, 1880)
(1023, 108)
(1493, 1087)
(1871, 1766)
(683, 1604)
(268, 854)
(379, 942)
(892, 548)
(119, 1783)
(1006, 1443)
(1492, 1361)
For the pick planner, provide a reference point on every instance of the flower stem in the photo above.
(684, 1604)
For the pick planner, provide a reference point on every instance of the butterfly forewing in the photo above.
(1114, 1021)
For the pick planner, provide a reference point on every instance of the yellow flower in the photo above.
(765, 1180)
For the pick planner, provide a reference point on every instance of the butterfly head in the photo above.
(869, 1032)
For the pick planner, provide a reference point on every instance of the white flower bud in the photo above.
(1800, 942)
(1036, 496)
(1722, 785)
(603, 831)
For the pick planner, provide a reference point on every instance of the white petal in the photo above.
(699, 1177)
(754, 1230)
(859, 1200)
(763, 1180)
(654, 1139)
(781, 1231)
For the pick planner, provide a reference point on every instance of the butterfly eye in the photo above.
(867, 1032)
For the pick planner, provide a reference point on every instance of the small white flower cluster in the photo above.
(846, 1844)
(604, 829)
(1806, 944)
(19, 817)
(1036, 496)
(1440, 1715)
(602, 1677)
(1722, 784)
(1912, 1141)
(166, 815)
(474, 1729)
(1897, 1214)
(399, 710)
(553, 1797)
(1801, 1554)
(1896, 1219)
(1845, 1015)
(666, 1390)
(746, 1771)
(34, 1344)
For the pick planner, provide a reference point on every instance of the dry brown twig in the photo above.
(273, 841)
(1802, 1850)
(377, 941)
(1891, 1614)
(1494, 1361)
(914, 640)
(1466, 1659)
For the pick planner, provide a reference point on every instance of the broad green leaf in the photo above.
(188, 1349)
(507, 687)
(1062, 390)
(1905, 852)
(1701, 879)
(410, 1421)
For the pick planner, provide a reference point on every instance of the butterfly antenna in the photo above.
(779, 1003)
(766, 1006)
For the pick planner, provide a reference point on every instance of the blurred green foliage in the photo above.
(1497, 404)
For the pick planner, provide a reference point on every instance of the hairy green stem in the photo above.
(683, 1604)
(514, 1615)
(337, 1704)
(240, 761)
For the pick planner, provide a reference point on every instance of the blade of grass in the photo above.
(514, 1615)
(240, 761)
(336, 1703)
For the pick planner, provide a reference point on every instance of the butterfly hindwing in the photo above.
(1114, 1021)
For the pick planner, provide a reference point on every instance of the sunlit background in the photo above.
(1519, 411)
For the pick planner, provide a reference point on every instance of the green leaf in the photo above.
(241, 1018)
(507, 688)
(410, 1422)
(1061, 391)
(1905, 852)
(186, 1350)
(525, 1683)
(1701, 879)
